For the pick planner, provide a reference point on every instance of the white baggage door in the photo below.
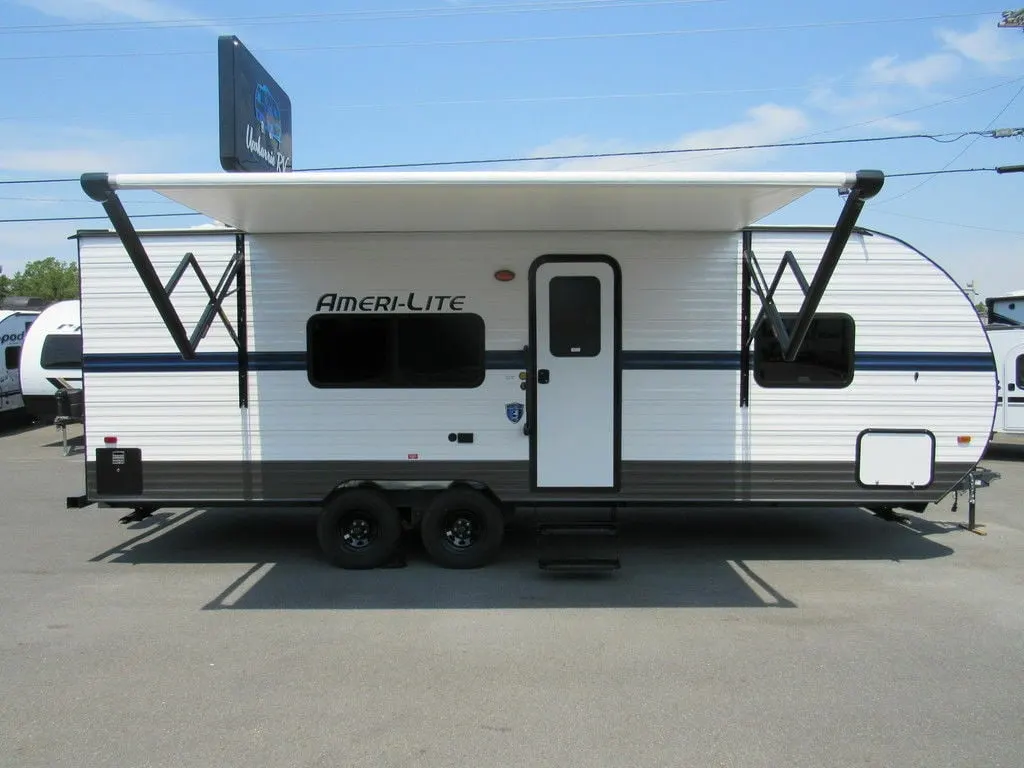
(575, 384)
(1013, 390)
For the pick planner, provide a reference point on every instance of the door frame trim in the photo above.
(531, 367)
(1005, 398)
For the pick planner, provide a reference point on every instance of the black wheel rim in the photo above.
(358, 531)
(461, 530)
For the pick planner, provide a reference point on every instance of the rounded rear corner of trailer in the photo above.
(929, 320)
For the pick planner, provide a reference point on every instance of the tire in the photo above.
(462, 528)
(359, 529)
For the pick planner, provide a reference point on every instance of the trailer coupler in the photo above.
(979, 477)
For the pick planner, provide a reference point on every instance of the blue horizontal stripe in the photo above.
(924, 361)
(654, 360)
(504, 359)
(635, 360)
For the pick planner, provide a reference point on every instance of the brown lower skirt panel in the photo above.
(641, 481)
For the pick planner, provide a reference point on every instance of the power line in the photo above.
(503, 40)
(505, 100)
(32, 199)
(947, 223)
(941, 171)
(349, 16)
(961, 153)
(93, 218)
(596, 97)
(939, 137)
(36, 181)
(901, 113)
(943, 138)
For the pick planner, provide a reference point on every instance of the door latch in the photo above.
(543, 376)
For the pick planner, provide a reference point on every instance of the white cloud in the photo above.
(988, 44)
(763, 124)
(108, 10)
(880, 89)
(866, 109)
(919, 73)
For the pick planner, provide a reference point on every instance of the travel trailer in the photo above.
(1008, 350)
(13, 326)
(51, 358)
(437, 350)
(1007, 309)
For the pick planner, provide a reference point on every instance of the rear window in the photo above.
(61, 351)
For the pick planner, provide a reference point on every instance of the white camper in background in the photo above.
(1007, 309)
(1008, 349)
(439, 349)
(51, 358)
(13, 326)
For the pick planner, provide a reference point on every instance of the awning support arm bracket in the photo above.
(98, 187)
(866, 186)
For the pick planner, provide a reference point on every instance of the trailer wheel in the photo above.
(359, 529)
(462, 528)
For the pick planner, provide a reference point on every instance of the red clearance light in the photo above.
(110, 440)
(963, 440)
(504, 275)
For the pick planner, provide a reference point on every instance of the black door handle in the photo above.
(1010, 387)
(543, 376)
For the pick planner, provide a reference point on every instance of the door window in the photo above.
(575, 315)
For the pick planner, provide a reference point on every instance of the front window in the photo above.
(825, 359)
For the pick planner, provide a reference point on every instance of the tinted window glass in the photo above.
(421, 351)
(12, 358)
(61, 351)
(825, 359)
(575, 315)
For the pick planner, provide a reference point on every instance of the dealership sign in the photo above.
(255, 114)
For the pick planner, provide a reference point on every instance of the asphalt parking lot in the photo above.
(729, 638)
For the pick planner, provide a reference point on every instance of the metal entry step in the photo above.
(577, 539)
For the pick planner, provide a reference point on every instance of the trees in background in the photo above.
(49, 279)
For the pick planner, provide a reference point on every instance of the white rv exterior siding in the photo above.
(679, 293)
(169, 414)
(901, 302)
(681, 297)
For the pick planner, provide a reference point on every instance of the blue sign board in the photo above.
(255, 113)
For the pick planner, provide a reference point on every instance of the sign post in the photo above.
(255, 113)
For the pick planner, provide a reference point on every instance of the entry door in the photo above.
(1013, 392)
(575, 381)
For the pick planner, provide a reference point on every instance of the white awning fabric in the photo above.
(297, 202)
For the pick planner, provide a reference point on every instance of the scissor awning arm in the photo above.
(867, 185)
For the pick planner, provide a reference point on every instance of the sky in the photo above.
(131, 86)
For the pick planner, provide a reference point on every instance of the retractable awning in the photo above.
(479, 201)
